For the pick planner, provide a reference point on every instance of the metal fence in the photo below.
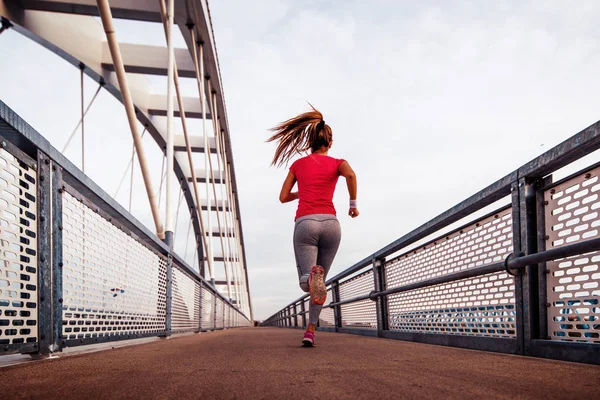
(524, 279)
(76, 268)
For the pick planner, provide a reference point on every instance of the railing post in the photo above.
(542, 269)
(303, 310)
(200, 308)
(295, 316)
(526, 282)
(337, 310)
(215, 311)
(57, 259)
(44, 219)
(288, 319)
(381, 302)
(168, 326)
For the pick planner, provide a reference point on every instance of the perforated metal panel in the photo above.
(186, 302)
(112, 284)
(484, 242)
(208, 309)
(362, 314)
(326, 318)
(477, 306)
(18, 251)
(573, 284)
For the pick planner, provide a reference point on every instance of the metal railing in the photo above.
(76, 268)
(524, 279)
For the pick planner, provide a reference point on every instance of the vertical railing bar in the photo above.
(57, 258)
(44, 204)
(528, 215)
(169, 316)
(214, 311)
(542, 269)
(303, 309)
(200, 308)
(295, 316)
(519, 295)
(337, 310)
(381, 302)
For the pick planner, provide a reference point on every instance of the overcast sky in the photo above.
(429, 102)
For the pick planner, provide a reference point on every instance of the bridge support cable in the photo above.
(235, 240)
(198, 207)
(163, 174)
(215, 117)
(178, 207)
(83, 115)
(227, 249)
(107, 23)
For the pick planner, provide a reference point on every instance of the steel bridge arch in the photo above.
(82, 42)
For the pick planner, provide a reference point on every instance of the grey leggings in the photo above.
(316, 241)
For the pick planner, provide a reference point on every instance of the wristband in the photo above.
(353, 203)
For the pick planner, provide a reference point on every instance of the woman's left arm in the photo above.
(286, 194)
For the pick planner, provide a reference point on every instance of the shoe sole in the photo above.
(318, 290)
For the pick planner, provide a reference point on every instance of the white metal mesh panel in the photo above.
(573, 284)
(484, 242)
(208, 309)
(326, 318)
(482, 306)
(18, 251)
(362, 314)
(112, 284)
(186, 302)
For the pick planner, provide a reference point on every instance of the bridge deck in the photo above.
(269, 363)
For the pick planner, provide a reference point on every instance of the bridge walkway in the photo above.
(268, 363)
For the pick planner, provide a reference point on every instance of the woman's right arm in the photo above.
(347, 172)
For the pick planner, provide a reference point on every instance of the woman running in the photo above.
(317, 232)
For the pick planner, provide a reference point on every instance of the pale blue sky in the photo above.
(428, 101)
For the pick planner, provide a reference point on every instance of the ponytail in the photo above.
(299, 134)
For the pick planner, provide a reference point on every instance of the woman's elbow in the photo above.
(282, 198)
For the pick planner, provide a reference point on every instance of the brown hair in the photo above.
(299, 134)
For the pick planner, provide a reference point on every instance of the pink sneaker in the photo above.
(308, 340)
(318, 290)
